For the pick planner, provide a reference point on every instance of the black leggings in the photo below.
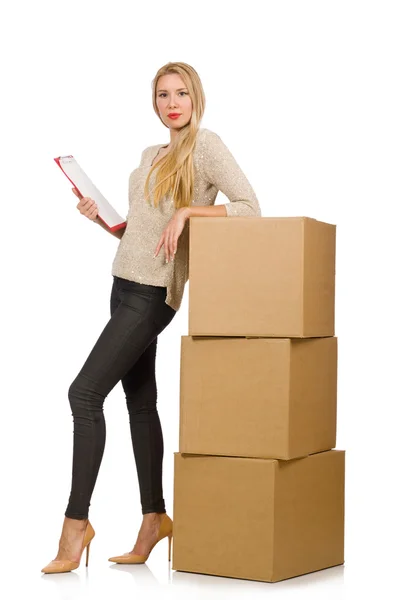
(126, 351)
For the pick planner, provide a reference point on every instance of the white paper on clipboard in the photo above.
(84, 185)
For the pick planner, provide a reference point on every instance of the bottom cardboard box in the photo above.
(256, 518)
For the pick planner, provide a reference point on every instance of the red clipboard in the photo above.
(80, 180)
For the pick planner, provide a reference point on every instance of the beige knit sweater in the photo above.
(215, 169)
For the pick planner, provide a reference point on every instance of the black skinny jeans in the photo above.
(126, 351)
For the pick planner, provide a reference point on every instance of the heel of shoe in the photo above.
(169, 546)
(87, 553)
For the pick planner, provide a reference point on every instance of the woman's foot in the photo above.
(148, 534)
(71, 541)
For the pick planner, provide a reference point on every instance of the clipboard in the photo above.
(83, 184)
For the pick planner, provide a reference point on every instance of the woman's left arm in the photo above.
(221, 170)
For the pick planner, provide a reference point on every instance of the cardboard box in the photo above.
(271, 277)
(257, 397)
(258, 519)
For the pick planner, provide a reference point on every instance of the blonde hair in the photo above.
(175, 173)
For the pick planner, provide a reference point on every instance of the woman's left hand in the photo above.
(171, 233)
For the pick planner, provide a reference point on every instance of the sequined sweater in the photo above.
(215, 169)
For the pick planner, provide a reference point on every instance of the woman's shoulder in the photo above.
(209, 139)
(204, 134)
(146, 151)
(148, 154)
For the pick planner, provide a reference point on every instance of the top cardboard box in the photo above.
(261, 276)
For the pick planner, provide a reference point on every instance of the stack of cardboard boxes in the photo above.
(258, 485)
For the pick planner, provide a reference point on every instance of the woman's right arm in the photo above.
(89, 209)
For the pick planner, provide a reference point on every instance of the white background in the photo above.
(304, 95)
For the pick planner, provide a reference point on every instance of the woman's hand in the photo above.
(86, 206)
(171, 233)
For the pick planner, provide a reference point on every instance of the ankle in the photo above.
(77, 524)
(152, 516)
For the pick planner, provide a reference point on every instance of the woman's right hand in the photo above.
(86, 206)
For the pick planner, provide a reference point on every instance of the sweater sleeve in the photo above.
(222, 171)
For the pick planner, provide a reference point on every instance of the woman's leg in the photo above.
(134, 325)
(140, 389)
(146, 434)
(147, 440)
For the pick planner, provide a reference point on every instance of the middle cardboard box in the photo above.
(257, 397)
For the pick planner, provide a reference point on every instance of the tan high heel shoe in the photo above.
(164, 531)
(63, 566)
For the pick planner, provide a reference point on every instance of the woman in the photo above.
(173, 182)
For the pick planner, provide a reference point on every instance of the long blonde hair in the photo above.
(175, 173)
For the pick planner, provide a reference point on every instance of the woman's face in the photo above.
(172, 96)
